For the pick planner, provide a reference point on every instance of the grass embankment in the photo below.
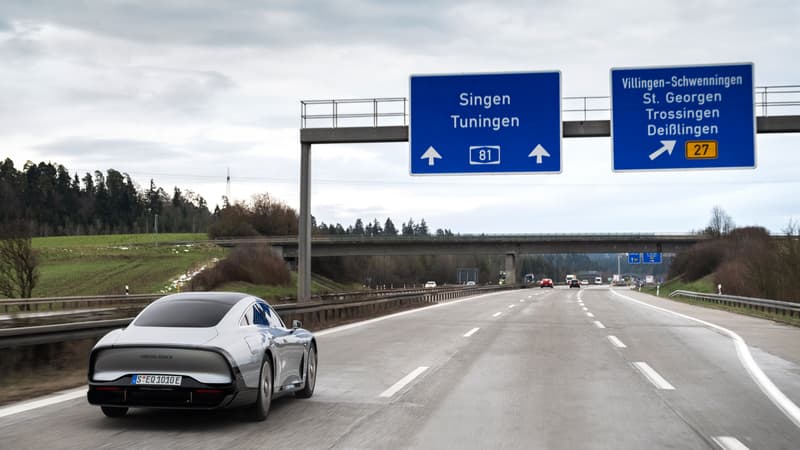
(95, 265)
(105, 264)
(319, 285)
(706, 285)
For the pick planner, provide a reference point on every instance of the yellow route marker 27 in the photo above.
(701, 150)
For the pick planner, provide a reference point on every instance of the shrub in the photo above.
(251, 264)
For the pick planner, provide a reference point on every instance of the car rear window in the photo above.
(188, 313)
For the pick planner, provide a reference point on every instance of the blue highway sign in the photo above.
(486, 123)
(699, 117)
(651, 258)
(634, 258)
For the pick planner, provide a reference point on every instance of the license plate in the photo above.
(162, 380)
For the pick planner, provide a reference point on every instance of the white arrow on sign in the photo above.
(431, 154)
(666, 146)
(539, 152)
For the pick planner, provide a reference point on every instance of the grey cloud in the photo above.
(107, 149)
(244, 22)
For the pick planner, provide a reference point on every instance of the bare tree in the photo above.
(19, 263)
(720, 224)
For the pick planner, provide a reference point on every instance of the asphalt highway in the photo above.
(593, 368)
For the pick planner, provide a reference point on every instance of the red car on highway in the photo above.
(545, 282)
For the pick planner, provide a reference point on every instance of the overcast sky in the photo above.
(181, 91)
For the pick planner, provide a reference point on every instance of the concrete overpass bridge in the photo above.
(509, 245)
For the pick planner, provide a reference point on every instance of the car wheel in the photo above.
(114, 411)
(311, 375)
(260, 409)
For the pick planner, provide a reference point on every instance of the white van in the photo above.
(598, 280)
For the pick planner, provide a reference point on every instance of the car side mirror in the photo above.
(297, 324)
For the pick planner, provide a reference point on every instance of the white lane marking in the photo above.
(44, 401)
(471, 332)
(496, 314)
(511, 306)
(580, 296)
(653, 376)
(729, 443)
(585, 308)
(598, 324)
(403, 382)
(522, 300)
(616, 342)
(590, 314)
(403, 313)
(766, 385)
(530, 296)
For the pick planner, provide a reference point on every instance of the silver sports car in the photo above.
(202, 350)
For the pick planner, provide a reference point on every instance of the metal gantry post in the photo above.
(304, 231)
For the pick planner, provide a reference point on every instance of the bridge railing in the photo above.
(373, 112)
(788, 309)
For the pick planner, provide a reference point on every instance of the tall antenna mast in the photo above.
(228, 186)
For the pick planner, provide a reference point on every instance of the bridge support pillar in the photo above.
(304, 226)
(511, 268)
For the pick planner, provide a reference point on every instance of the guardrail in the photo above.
(32, 305)
(787, 309)
(315, 314)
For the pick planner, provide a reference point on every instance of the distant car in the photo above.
(574, 283)
(584, 282)
(470, 283)
(546, 282)
(430, 284)
(598, 280)
(202, 350)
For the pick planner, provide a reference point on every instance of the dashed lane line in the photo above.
(403, 382)
(616, 342)
(496, 314)
(598, 324)
(778, 398)
(471, 332)
(653, 376)
(729, 443)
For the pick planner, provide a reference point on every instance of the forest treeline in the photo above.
(54, 202)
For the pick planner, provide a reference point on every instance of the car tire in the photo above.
(114, 411)
(311, 375)
(260, 410)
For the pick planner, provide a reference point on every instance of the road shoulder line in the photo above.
(778, 398)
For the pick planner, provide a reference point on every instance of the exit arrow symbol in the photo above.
(539, 152)
(666, 146)
(431, 154)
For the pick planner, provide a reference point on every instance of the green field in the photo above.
(110, 240)
(97, 265)
(704, 285)
(93, 265)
